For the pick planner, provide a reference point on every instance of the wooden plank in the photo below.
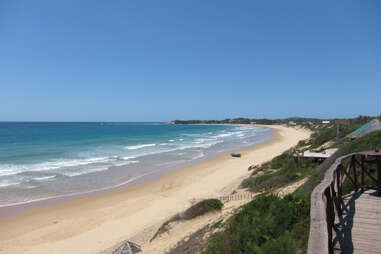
(365, 252)
(366, 237)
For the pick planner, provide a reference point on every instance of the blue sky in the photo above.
(161, 60)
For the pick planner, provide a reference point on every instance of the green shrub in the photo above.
(218, 224)
(202, 207)
(323, 135)
(281, 245)
(261, 224)
(288, 171)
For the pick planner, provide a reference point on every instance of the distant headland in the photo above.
(242, 120)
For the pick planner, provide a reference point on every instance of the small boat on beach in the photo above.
(235, 155)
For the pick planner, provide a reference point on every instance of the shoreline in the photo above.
(95, 223)
(14, 209)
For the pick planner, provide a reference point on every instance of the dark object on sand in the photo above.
(128, 248)
(252, 167)
(235, 154)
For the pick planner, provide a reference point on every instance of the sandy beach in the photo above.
(98, 223)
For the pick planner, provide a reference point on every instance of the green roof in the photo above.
(373, 125)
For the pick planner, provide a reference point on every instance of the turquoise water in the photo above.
(40, 160)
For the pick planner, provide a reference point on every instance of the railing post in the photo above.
(338, 183)
(353, 165)
(330, 218)
(379, 175)
(335, 199)
(362, 173)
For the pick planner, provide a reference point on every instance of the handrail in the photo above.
(326, 198)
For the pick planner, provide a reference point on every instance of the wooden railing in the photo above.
(359, 171)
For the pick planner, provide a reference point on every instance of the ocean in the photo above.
(40, 160)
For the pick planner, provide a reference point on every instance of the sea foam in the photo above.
(138, 146)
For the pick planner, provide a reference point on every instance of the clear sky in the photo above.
(158, 60)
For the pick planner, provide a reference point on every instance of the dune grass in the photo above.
(198, 209)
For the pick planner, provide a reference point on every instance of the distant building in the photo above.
(326, 122)
(291, 123)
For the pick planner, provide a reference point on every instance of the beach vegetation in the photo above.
(202, 207)
(198, 209)
(218, 224)
(264, 225)
(270, 224)
(281, 171)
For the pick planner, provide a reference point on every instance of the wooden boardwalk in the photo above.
(347, 223)
(358, 230)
